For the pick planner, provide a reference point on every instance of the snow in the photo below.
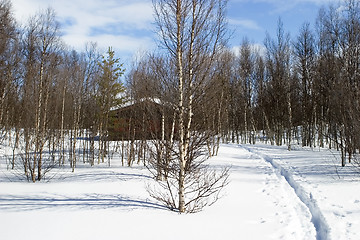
(273, 194)
(317, 218)
(332, 188)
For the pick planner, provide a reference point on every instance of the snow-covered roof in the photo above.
(148, 99)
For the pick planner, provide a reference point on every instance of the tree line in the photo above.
(51, 95)
(301, 90)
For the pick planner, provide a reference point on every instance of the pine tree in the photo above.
(109, 88)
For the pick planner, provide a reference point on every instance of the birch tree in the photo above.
(41, 44)
(278, 66)
(305, 65)
(191, 32)
(9, 61)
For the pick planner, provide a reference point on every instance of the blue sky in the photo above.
(127, 25)
(253, 18)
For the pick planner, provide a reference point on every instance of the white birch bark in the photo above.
(180, 75)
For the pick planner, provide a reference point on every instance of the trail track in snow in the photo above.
(317, 218)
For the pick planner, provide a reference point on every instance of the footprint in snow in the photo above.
(337, 206)
(337, 214)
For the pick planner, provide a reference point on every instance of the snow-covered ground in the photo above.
(272, 194)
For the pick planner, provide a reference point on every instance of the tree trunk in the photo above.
(182, 150)
(290, 118)
(62, 137)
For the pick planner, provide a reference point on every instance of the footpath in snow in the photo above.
(317, 218)
(328, 190)
(272, 194)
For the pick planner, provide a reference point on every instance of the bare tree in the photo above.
(214, 106)
(191, 31)
(278, 67)
(305, 66)
(41, 45)
(9, 63)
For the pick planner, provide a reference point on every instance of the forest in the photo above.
(56, 104)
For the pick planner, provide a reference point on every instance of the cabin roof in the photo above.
(130, 103)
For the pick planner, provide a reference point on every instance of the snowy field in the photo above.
(272, 194)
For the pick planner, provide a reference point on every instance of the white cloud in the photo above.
(245, 23)
(121, 43)
(255, 47)
(281, 6)
(282, 2)
(117, 22)
(285, 5)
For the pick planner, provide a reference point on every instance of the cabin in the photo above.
(144, 119)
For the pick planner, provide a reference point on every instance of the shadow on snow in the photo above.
(85, 202)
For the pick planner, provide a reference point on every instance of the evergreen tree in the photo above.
(108, 91)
